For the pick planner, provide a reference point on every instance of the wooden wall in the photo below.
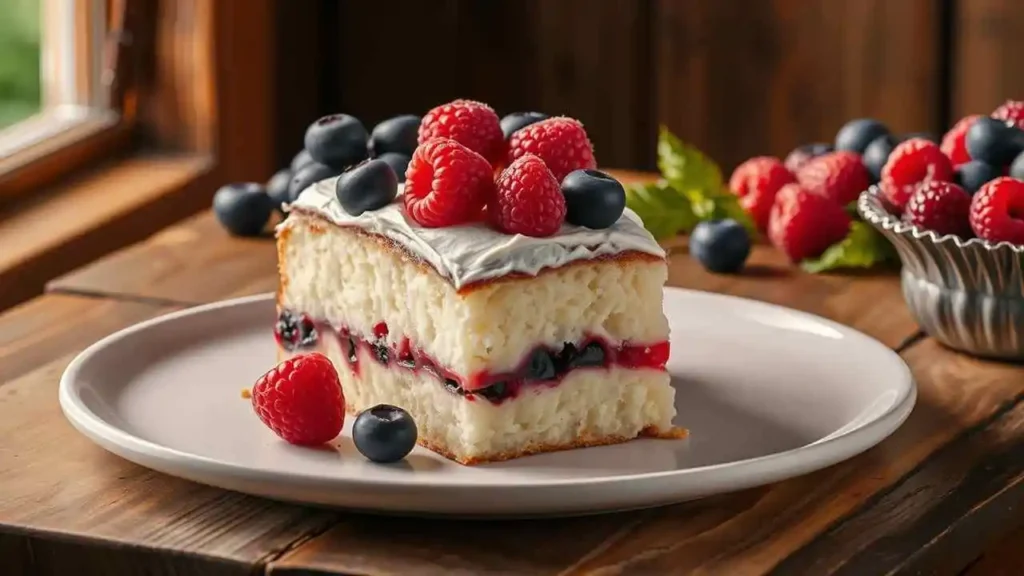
(737, 79)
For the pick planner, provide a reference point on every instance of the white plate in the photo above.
(767, 393)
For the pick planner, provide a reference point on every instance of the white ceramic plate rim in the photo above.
(819, 454)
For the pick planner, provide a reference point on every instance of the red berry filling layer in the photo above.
(542, 366)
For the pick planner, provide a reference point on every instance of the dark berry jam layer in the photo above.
(542, 366)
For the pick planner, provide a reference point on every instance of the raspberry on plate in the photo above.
(528, 199)
(756, 182)
(560, 142)
(840, 176)
(446, 184)
(954, 144)
(804, 223)
(941, 207)
(996, 210)
(301, 400)
(1011, 111)
(912, 162)
(473, 124)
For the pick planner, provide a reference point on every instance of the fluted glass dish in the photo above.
(967, 294)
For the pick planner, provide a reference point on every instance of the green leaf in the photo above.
(863, 247)
(664, 211)
(685, 167)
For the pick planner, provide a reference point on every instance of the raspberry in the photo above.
(954, 144)
(996, 210)
(560, 142)
(1011, 111)
(446, 184)
(941, 207)
(756, 182)
(301, 400)
(914, 161)
(528, 200)
(804, 223)
(473, 124)
(840, 176)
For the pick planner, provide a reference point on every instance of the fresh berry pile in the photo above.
(527, 173)
(969, 183)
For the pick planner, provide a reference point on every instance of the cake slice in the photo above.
(499, 346)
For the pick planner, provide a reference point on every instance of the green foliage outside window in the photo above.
(20, 86)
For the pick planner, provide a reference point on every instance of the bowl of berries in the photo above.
(955, 214)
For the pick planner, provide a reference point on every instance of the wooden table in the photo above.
(942, 495)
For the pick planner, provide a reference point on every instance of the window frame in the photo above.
(195, 83)
(80, 120)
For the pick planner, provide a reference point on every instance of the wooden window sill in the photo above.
(96, 212)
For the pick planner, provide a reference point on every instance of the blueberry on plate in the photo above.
(397, 135)
(300, 160)
(993, 141)
(369, 186)
(593, 199)
(877, 153)
(517, 120)
(277, 188)
(242, 208)
(398, 163)
(855, 135)
(384, 433)
(338, 140)
(307, 176)
(1017, 167)
(974, 174)
(721, 246)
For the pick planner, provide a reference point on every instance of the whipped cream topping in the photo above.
(471, 253)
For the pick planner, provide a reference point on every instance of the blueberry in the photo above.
(517, 120)
(300, 160)
(1017, 167)
(370, 186)
(541, 366)
(242, 208)
(384, 433)
(396, 135)
(855, 135)
(494, 392)
(720, 245)
(877, 153)
(993, 141)
(307, 176)
(338, 140)
(802, 154)
(398, 163)
(453, 386)
(350, 350)
(382, 354)
(277, 188)
(974, 174)
(592, 354)
(287, 330)
(592, 199)
(925, 135)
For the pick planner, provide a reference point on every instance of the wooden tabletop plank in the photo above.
(924, 487)
(193, 262)
(69, 507)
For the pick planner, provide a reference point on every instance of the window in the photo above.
(57, 64)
